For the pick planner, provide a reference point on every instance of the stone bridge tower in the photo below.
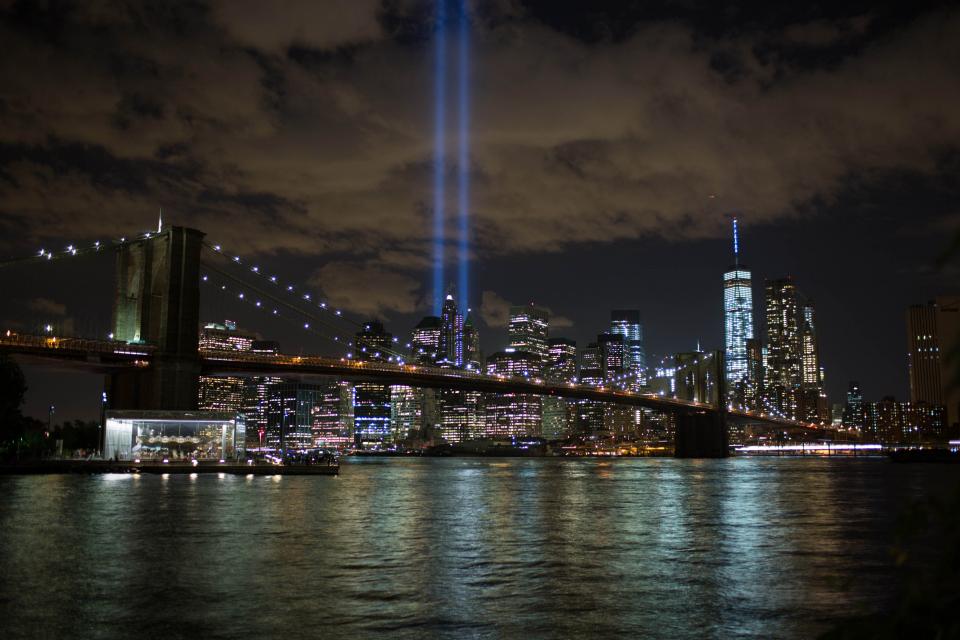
(157, 301)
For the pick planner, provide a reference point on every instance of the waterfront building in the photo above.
(613, 358)
(332, 415)
(461, 415)
(560, 414)
(513, 414)
(626, 322)
(371, 400)
(256, 397)
(590, 418)
(783, 371)
(406, 413)
(425, 341)
(933, 337)
(749, 391)
(853, 411)
(224, 337)
(450, 343)
(173, 435)
(528, 329)
(290, 415)
(813, 405)
(738, 329)
(222, 393)
(472, 356)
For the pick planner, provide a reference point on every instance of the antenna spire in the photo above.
(736, 242)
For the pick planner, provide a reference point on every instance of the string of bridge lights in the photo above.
(241, 296)
(293, 291)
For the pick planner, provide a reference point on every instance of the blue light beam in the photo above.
(463, 161)
(736, 242)
(439, 194)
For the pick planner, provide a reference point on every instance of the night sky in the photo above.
(300, 135)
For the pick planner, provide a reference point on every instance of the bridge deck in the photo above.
(100, 354)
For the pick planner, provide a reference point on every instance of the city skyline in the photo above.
(847, 240)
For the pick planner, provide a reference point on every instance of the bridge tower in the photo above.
(702, 434)
(157, 301)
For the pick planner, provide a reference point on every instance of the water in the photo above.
(485, 548)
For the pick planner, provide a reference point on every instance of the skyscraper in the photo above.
(222, 393)
(626, 322)
(738, 326)
(290, 415)
(783, 374)
(425, 342)
(450, 344)
(513, 414)
(472, 356)
(853, 410)
(561, 360)
(813, 401)
(371, 400)
(332, 414)
(560, 414)
(590, 412)
(528, 332)
(933, 357)
(256, 398)
(613, 357)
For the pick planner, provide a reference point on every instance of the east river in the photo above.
(458, 548)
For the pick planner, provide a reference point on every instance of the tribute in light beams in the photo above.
(439, 195)
(463, 155)
(463, 160)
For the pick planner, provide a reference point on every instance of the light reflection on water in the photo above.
(456, 548)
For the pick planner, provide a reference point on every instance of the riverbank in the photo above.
(40, 467)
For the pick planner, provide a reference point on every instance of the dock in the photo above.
(243, 468)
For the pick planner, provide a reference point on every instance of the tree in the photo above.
(13, 386)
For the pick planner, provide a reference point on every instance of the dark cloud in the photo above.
(495, 312)
(47, 307)
(248, 121)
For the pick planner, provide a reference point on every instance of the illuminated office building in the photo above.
(472, 356)
(783, 372)
(290, 415)
(513, 414)
(613, 358)
(406, 413)
(561, 360)
(224, 337)
(626, 322)
(590, 412)
(371, 400)
(750, 391)
(332, 415)
(528, 333)
(738, 329)
(425, 341)
(460, 415)
(933, 334)
(560, 414)
(813, 406)
(222, 393)
(450, 343)
(256, 398)
(853, 411)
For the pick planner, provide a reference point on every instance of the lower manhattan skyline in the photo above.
(881, 223)
(486, 319)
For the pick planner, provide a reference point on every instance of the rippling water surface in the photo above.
(457, 548)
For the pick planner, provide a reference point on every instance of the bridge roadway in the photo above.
(101, 355)
(233, 362)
